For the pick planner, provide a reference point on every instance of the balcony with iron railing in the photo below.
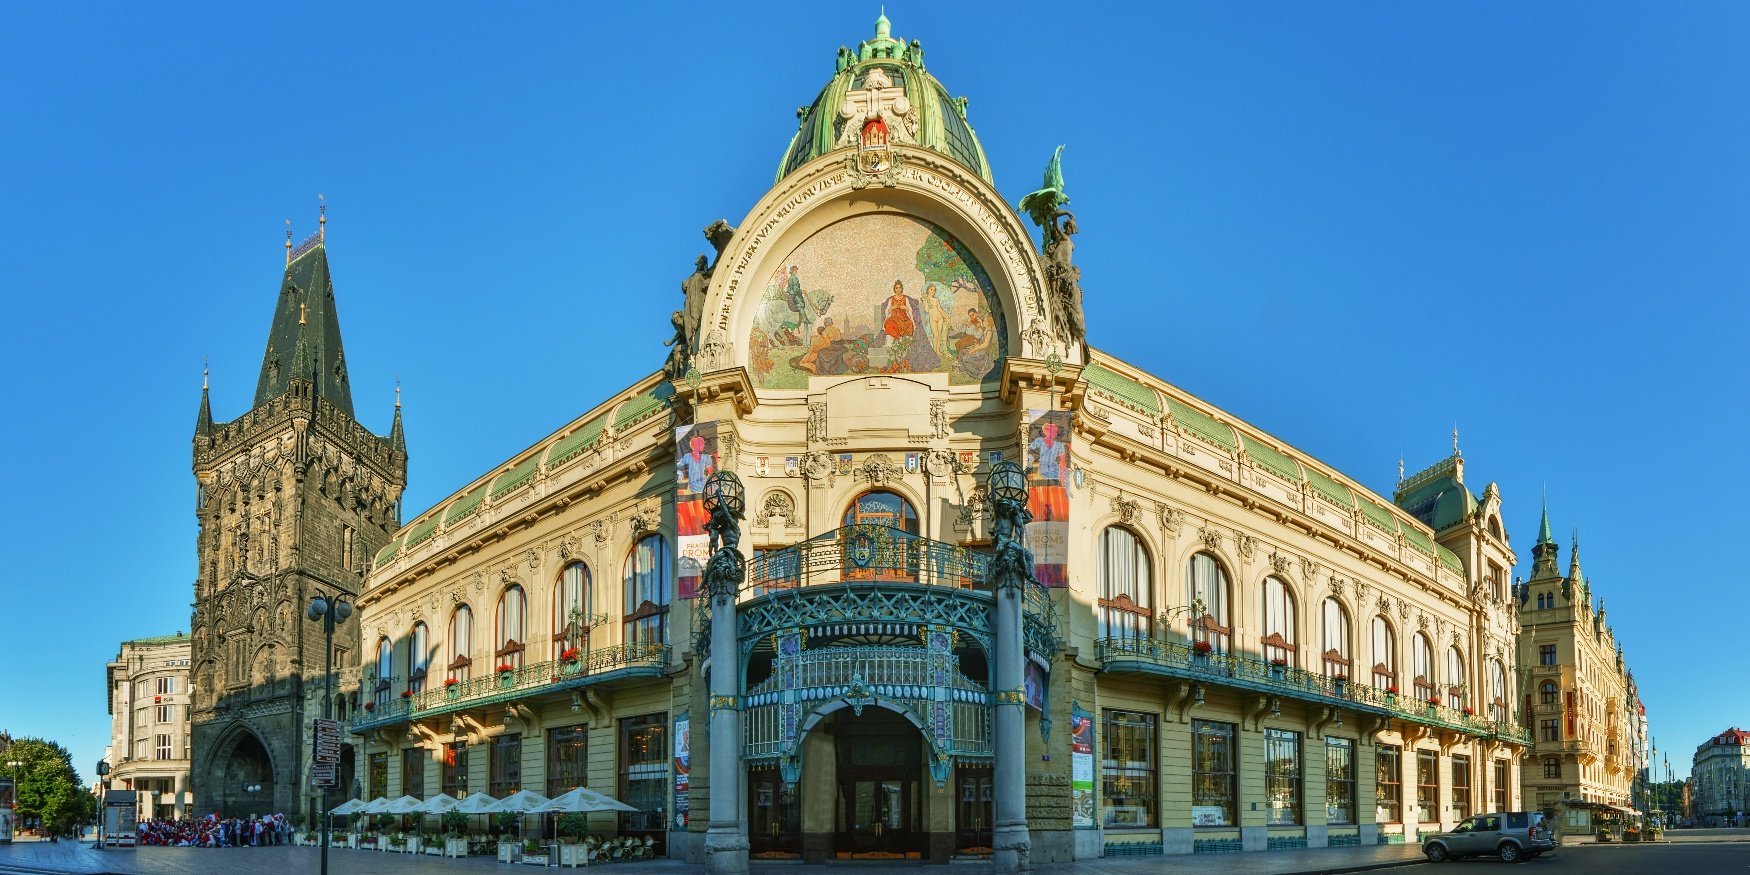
(1186, 661)
(597, 666)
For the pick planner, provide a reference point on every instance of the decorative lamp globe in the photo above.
(724, 490)
(1008, 483)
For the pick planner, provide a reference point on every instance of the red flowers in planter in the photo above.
(1392, 690)
(1434, 700)
(1201, 647)
(406, 694)
(1469, 713)
(1279, 663)
(370, 706)
(569, 655)
(506, 667)
(450, 682)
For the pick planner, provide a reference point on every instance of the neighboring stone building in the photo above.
(149, 725)
(1229, 645)
(293, 498)
(1585, 711)
(1720, 777)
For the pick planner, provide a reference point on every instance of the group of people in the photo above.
(214, 832)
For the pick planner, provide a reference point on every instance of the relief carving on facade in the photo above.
(817, 467)
(817, 421)
(1171, 519)
(1125, 508)
(938, 418)
(879, 469)
(777, 503)
(1248, 546)
(1280, 562)
(1211, 539)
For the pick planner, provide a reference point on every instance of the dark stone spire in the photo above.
(397, 438)
(304, 342)
(203, 422)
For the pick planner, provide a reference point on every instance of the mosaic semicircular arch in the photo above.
(877, 294)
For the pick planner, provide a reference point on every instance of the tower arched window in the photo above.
(1279, 624)
(646, 584)
(1455, 676)
(1334, 632)
(461, 633)
(879, 507)
(1422, 666)
(1547, 693)
(385, 670)
(1385, 655)
(418, 657)
(874, 555)
(1126, 582)
(571, 600)
(509, 627)
(1206, 592)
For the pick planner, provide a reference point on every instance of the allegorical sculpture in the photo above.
(1011, 561)
(725, 503)
(1062, 277)
(679, 354)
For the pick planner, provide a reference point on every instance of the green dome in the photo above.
(869, 83)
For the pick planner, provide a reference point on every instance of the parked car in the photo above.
(1510, 835)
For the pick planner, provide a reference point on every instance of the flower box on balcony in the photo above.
(570, 654)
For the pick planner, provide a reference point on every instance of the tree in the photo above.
(48, 785)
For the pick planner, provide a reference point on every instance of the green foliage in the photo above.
(48, 786)
(530, 846)
(506, 821)
(455, 822)
(385, 821)
(573, 826)
(297, 819)
(942, 259)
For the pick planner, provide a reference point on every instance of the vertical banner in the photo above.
(1081, 768)
(1048, 495)
(695, 454)
(683, 763)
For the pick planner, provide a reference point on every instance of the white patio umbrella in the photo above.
(520, 802)
(477, 803)
(404, 805)
(582, 800)
(438, 804)
(347, 807)
(375, 806)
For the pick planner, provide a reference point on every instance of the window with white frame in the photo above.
(385, 669)
(1334, 627)
(1422, 666)
(418, 657)
(508, 627)
(646, 588)
(571, 610)
(1279, 623)
(1207, 593)
(1497, 692)
(1385, 655)
(1125, 585)
(1454, 679)
(461, 633)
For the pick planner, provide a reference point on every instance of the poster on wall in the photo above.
(695, 453)
(1081, 768)
(1048, 495)
(1034, 685)
(683, 756)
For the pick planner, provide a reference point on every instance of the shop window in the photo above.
(1389, 781)
(1214, 774)
(567, 759)
(505, 765)
(1282, 777)
(1427, 786)
(1339, 781)
(1128, 771)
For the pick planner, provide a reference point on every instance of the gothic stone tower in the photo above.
(293, 498)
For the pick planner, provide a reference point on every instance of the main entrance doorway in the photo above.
(880, 769)
(972, 810)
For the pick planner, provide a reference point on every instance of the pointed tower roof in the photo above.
(304, 341)
(1543, 565)
(203, 422)
(1543, 533)
(397, 437)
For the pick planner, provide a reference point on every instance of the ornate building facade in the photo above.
(1581, 700)
(1217, 642)
(292, 499)
(1720, 776)
(149, 740)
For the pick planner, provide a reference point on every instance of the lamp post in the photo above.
(1010, 573)
(724, 502)
(329, 611)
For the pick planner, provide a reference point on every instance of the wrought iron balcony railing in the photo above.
(623, 660)
(867, 554)
(1183, 660)
(875, 666)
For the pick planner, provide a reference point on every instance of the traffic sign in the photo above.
(326, 749)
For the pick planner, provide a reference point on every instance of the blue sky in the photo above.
(1350, 224)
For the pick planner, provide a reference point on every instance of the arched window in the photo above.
(1422, 666)
(461, 633)
(879, 507)
(646, 585)
(1335, 641)
(875, 555)
(418, 657)
(1455, 675)
(1497, 691)
(1495, 528)
(1546, 693)
(385, 670)
(508, 627)
(1125, 584)
(1206, 590)
(1552, 767)
(571, 610)
(1279, 624)
(1385, 655)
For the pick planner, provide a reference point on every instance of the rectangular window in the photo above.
(162, 751)
(1427, 786)
(1127, 769)
(346, 547)
(166, 686)
(1546, 654)
(413, 772)
(1460, 787)
(455, 769)
(505, 764)
(1390, 781)
(644, 772)
(1339, 781)
(1282, 777)
(377, 775)
(1552, 730)
(1214, 785)
(166, 713)
(567, 759)
(1501, 785)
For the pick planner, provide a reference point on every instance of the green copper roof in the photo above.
(422, 531)
(1379, 517)
(643, 405)
(389, 551)
(1414, 537)
(465, 505)
(1449, 559)
(1266, 457)
(933, 121)
(1543, 532)
(576, 442)
(1202, 425)
(304, 341)
(517, 476)
(1105, 381)
(1437, 498)
(1331, 490)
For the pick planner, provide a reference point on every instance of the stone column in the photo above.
(181, 792)
(725, 843)
(1010, 841)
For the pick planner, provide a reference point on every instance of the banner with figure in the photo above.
(1048, 464)
(695, 454)
(1081, 768)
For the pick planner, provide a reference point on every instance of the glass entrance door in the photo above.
(972, 810)
(773, 820)
(880, 816)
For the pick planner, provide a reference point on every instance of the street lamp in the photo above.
(329, 611)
